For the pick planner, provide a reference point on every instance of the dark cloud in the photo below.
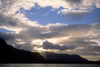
(86, 50)
(74, 1)
(11, 23)
(7, 21)
(47, 35)
(6, 36)
(95, 54)
(96, 37)
(69, 29)
(76, 15)
(36, 33)
(77, 41)
(89, 50)
(94, 48)
(89, 53)
(48, 45)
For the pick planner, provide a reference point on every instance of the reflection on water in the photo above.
(49, 65)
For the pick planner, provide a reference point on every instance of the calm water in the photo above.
(49, 65)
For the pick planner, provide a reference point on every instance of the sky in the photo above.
(60, 26)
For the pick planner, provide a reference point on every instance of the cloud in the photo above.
(69, 36)
(12, 6)
(7, 21)
(74, 2)
(94, 48)
(76, 16)
(11, 23)
(84, 36)
(89, 50)
(66, 35)
(48, 45)
(44, 14)
(77, 41)
(32, 13)
(6, 36)
(16, 22)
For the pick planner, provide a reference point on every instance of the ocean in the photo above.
(49, 65)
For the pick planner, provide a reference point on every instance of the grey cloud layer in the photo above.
(32, 33)
(77, 41)
(7, 21)
(48, 45)
(90, 50)
(6, 36)
(76, 16)
(74, 1)
(79, 36)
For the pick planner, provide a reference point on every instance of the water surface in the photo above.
(49, 65)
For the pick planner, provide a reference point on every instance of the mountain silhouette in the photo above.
(64, 57)
(9, 54)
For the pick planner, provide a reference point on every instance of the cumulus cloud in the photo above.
(9, 7)
(48, 45)
(7, 21)
(12, 6)
(11, 23)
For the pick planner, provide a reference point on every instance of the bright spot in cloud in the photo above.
(64, 37)
(21, 42)
(40, 49)
(52, 40)
(35, 48)
(37, 42)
